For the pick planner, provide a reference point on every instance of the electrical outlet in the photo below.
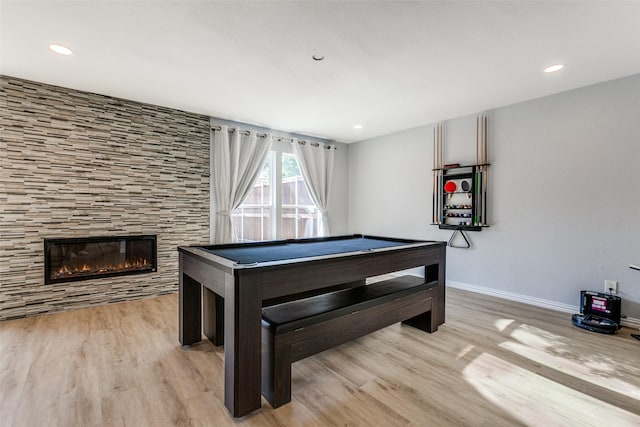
(611, 286)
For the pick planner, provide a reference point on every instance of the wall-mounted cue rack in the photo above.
(460, 191)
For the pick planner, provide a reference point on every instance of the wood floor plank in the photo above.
(493, 363)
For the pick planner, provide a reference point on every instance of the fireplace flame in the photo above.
(70, 270)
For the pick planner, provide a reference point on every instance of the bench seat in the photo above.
(298, 329)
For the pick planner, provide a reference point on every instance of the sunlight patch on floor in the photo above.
(553, 351)
(502, 324)
(535, 400)
(464, 351)
(539, 338)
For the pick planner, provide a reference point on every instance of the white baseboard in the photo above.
(631, 322)
(539, 302)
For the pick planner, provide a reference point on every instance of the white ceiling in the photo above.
(388, 65)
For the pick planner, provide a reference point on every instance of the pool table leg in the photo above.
(437, 272)
(242, 343)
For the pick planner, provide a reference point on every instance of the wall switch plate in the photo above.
(611, 286)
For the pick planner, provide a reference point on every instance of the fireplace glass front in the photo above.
(93, 257)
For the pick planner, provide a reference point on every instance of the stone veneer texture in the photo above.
(76, 164)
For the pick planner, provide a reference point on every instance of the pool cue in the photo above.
(485, 175)
(433, 175)
(476, 180)
(481, 177)
(477, 140)
(440, 172)
(440, 205)
(434, 208)
(478, 202)
(479, 197)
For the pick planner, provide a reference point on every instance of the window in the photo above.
(286, 213)
(299, 213)
(253, 219)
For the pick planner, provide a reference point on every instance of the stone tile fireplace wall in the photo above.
(76, 164)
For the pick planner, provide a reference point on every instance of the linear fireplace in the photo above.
(67, 260)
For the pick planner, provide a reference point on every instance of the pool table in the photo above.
(239, 279)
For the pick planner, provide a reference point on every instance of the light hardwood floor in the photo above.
(494, 363)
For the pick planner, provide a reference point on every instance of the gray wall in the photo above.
(75, 164)
(564, 200)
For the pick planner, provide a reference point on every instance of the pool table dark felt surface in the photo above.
(294, 249)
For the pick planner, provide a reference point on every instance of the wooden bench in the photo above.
(298, 329)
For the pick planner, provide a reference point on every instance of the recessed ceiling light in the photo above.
(62, 50)
(357, 126)
(554, 68)
(318, 57)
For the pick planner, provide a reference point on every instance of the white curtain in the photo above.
(316, 165)
(237, 162)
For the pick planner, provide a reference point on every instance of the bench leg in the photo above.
(276, 370)
(189, 310)
(213, 316)
(422, 322)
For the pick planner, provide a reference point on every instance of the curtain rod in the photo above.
(275, 138)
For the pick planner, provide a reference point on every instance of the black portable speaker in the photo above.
(601, 305)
